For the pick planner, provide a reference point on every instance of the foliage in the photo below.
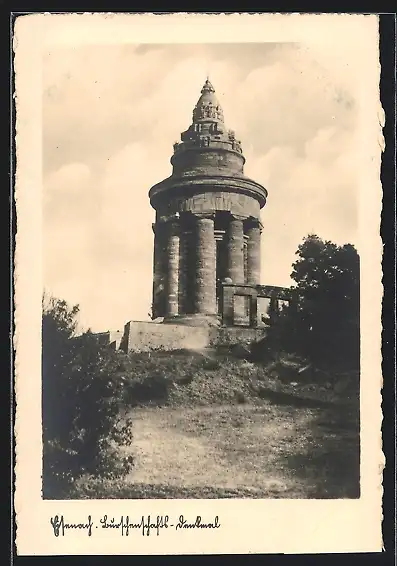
(322, 323)
(82, 395)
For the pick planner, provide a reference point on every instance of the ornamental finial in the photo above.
(207, 86)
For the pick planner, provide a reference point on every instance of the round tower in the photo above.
(207, 227)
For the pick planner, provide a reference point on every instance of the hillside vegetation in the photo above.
(186, 378)
(210, 425)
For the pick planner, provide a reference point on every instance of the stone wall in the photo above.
(111, 338)
(229, 295)
(115, 337)
(149, 336)
(203, 160)
(229, 336)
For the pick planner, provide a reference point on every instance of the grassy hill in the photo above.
(211, 424)
(186, 378)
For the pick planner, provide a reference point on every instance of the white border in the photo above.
(266, 526)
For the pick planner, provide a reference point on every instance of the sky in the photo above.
(111, 114)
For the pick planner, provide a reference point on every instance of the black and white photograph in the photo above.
(203, 241)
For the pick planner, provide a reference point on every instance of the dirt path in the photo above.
(164, 454)
(213, 447)
(245, 451)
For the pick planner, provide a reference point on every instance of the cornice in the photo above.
(185, 147)
(214, 183)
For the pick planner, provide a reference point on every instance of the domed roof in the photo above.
(207, 107)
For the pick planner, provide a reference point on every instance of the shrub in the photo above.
(81, 399)
(240, 397)
(322, 323)
(152, 388)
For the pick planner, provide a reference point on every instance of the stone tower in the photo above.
(207, 229)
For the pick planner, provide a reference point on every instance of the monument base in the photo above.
(195, 319)
(151, 336)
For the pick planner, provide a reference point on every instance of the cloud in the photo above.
(97, 245)
(110, 116)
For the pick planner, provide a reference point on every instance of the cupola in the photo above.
(207, 134)
(207, 107)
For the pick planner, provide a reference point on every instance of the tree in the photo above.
(322, 323)
(81, 399)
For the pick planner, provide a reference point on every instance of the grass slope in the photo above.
(208, 425)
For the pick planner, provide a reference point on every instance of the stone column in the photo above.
(253, 251)
(158, 271)
(205, 301)
(220, 271)
(172, 297)
(273, 309)
(245, 259)
(185, 236)
(235, 266)
(235, 250)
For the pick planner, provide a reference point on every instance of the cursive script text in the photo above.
(60, 526)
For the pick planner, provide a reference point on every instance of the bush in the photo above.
(240, 397)
(322, 323)
(81, 400)
(152, 388)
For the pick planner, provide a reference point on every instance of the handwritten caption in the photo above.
(145, 525)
